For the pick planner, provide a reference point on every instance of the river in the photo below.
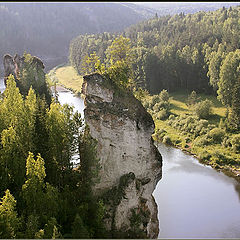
(194, 201)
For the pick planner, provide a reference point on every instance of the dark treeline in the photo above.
(42, 193)
(172, 52)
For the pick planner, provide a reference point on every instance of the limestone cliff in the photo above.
(12, 65)
(27, 73)
(130, 162)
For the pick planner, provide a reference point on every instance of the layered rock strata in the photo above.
(130, 163)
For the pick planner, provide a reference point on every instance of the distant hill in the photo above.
(46, 28)
(171, 8)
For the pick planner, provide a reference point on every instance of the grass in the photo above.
(67, 76)
(184, 141)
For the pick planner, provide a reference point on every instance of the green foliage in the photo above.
(201, 141)
(217, 135)
(167, 140)
(32, 189)
(119, 61)
(162, 114)
(172, 52)
(192, 99)
(49, 193)
(203, 109)
(18, 119)
(229, 76)
(78, 229)
(32, 226)
(32, 75)
(164, 96)
(235, 141)
(51, 229)
(92, 63)
(9, 222)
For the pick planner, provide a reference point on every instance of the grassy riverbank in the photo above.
(206, 139)
(66, 76)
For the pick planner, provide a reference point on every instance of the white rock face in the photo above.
(125, 148)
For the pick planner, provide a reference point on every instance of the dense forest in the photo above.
(43, 194)
(172, 52)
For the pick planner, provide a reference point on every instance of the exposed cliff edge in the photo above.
(130, 163)
(12, 65)
(28, 71)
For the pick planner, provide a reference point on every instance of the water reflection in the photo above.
(65, 96)
(2, 85)
(195, 201)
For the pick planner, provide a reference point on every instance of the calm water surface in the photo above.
(66, 96)
(194, 201)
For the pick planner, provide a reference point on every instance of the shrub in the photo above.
(160, 133)
(167, 140)
(204, 156)
(164, 96)
(192, 99)
(235, 141)
(203, 109)
(171, 117)
(146, 104)
(216, 134)
(155, 99)
(201, 141)
(163, 114)
(226, 142)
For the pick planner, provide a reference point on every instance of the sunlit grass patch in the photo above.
(69, 77)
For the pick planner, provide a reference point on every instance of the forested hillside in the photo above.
(165, 8)
(45, 29)
(172, 52)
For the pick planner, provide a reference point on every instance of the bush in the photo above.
(201, 141)
(155, 99)
(226, 142)
(235, 141)
(203, 109)
(146, 104)
(216, 134)
(167, 140)
(163, 114)
(164, 96)
(192, 99)
(204, 156)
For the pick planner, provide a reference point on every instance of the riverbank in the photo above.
(206, 140)
(67, 77)
(227, 170)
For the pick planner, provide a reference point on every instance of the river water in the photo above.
(194, 201)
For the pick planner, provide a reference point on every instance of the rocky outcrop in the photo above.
(130, 162)
(12, 65)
